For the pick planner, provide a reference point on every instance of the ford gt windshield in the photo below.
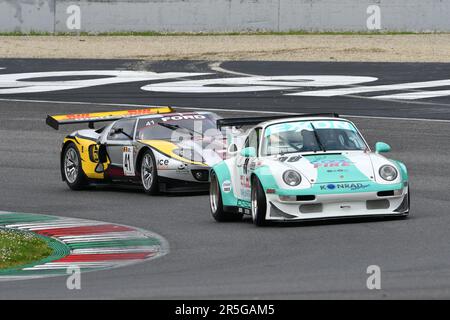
(311, 136)
(171, 128)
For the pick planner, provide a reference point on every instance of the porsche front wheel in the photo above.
(216, 204)
(258, 203)
(72, 170)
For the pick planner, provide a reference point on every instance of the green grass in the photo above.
(19, 248)
(154, 33)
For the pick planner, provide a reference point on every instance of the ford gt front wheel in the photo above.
(149, 175)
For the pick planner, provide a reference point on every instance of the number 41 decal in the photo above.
(128, 163)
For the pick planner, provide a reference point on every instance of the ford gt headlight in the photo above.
(292, 178)
(388, 172)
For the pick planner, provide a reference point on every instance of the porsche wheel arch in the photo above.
(254, 176)
(264, 177)
(403, 170)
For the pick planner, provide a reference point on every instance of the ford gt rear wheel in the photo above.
(149, 175)
(216, 204)
(73, 172)
(258, 203)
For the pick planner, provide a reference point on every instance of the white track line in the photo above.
(216, 66)
(215, 109)
(145, 249)
(417, 93)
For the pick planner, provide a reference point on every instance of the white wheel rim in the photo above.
(147, 171)
(214, 196)
(254, 202)
(71, 165)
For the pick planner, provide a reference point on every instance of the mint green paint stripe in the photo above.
(266, 178)
(244, 204)
(11, 218)
(118, 243)
(403, 170)
(59, 250)
(223, 174)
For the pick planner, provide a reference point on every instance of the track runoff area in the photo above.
(405, 105)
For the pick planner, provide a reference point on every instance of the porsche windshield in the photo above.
(311, 136)
(174, 126)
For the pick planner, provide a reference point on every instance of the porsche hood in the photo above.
(354, 166)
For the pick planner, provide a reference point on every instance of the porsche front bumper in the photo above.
(332, 206)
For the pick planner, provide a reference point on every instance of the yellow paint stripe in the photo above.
(167, 148)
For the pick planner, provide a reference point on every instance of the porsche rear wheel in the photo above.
(216, 204)
(258, 203)
(73, 172)
(149, 176)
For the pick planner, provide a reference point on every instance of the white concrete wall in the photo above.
(223, 15)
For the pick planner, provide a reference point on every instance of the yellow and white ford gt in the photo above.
(157, 148)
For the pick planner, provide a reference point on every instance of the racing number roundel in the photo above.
(128, 163)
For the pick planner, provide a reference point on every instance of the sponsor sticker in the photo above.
(337, 170)
(226, 186)
(330, 163)
(294, 158)
(184, 117)
(163, 163)
(345, 186)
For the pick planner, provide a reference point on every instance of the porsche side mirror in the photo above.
(232, 148)
(248, 152)
(381, 147)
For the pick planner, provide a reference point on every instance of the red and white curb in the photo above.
(85, 244)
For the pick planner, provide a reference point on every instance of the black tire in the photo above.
(72, 169)
(259, 207)
(149, 173)
(216, 204)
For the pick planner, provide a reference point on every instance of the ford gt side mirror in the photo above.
(382, 147)
(116, 131)
(248, 152)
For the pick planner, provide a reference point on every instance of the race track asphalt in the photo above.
(237, 260)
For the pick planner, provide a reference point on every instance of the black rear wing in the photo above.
(252, 121)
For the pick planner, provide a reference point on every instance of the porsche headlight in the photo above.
(292, 178)
(388, 172)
